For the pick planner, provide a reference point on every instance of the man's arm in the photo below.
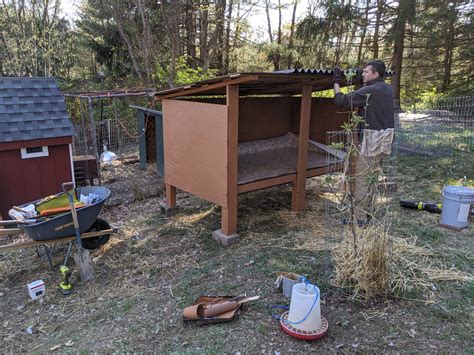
(351, 100)
(356, 98)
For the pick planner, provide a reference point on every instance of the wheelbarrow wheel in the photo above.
(95, 242)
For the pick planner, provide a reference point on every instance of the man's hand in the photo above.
(337, 75)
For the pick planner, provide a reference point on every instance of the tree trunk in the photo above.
(203, 35)
(449, 47)
(404, 8)
(292, 32)
(190, 34)
(277, 54)
(378, 16)
(219, 34)
(269, 23)
(128, 43)
(227, 38)
(147, 42)
(364, 31)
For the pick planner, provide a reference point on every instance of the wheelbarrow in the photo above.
(60, 227)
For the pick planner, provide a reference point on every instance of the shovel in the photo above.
(82, 257)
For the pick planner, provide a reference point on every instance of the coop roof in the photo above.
(32, 108)
(283, 82)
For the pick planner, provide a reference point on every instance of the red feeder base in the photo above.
(302, 334)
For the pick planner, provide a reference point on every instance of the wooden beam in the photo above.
(324, 170)
(204, 88)
(8, 232)
(229, 214)
(170, 195)
(262, 184)
(35, 243)
(299, 188)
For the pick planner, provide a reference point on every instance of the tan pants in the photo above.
(368, 171)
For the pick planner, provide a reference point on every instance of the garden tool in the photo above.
(212, 309)
(65, 286)
(420, 205)
(82, 257)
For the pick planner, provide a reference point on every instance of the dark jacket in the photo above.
(375, 102)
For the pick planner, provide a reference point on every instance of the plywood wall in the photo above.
(325, 116)
(195, 148)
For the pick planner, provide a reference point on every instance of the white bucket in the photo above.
(457, 201)
(305, 307)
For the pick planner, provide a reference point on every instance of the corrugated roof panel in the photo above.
(32, 108)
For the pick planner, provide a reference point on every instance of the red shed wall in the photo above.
(25, 180)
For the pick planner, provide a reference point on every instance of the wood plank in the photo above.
(9, 232)
(229, 213)
(328, 149)
(142, 138)
(170, 195)
(195, 148)
(262, 184)
(324, 170)
(299, 187)
(35, 243)
(203, 89)
(264, 117)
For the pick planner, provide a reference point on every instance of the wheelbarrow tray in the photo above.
(62, 225)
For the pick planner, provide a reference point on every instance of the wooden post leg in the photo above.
(299, 187)
(170, 195)
(294, 198)
(229, 219)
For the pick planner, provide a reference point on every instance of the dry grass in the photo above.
(363, 264)
(379, 263)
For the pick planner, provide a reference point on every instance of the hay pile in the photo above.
(376, 263)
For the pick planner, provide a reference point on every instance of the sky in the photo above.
(257, 18)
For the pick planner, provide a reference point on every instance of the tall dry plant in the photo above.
(361, 254)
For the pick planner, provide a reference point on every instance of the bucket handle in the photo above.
(306, 282)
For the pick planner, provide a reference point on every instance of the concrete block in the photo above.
(225, 239)
(166, 210)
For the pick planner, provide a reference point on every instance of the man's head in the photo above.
(373, 69)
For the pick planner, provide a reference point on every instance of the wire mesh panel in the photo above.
(102, 121)
(121, 137)
(358, 199)
(436, 128)
(365, 187)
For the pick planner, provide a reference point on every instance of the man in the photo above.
(375, 105)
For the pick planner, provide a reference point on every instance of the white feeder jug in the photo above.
(305, 308)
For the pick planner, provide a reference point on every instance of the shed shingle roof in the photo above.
(32, 108)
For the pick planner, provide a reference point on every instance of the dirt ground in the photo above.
(156, 266)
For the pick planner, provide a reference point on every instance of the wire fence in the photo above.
(120, 137)
(435, 128)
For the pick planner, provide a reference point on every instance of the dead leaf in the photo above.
(69, 343)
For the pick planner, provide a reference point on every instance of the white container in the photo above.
(457, 201)
(36, 289)
(305, 313)
(30, 211)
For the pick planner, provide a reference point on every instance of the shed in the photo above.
(35, 140)
(150, 141)
(245, 132)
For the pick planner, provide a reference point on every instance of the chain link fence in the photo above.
(435, 128)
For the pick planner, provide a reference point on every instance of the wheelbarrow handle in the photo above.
(67, 186)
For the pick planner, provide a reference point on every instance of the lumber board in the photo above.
(35, 243)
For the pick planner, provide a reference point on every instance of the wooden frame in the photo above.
(201, 141)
